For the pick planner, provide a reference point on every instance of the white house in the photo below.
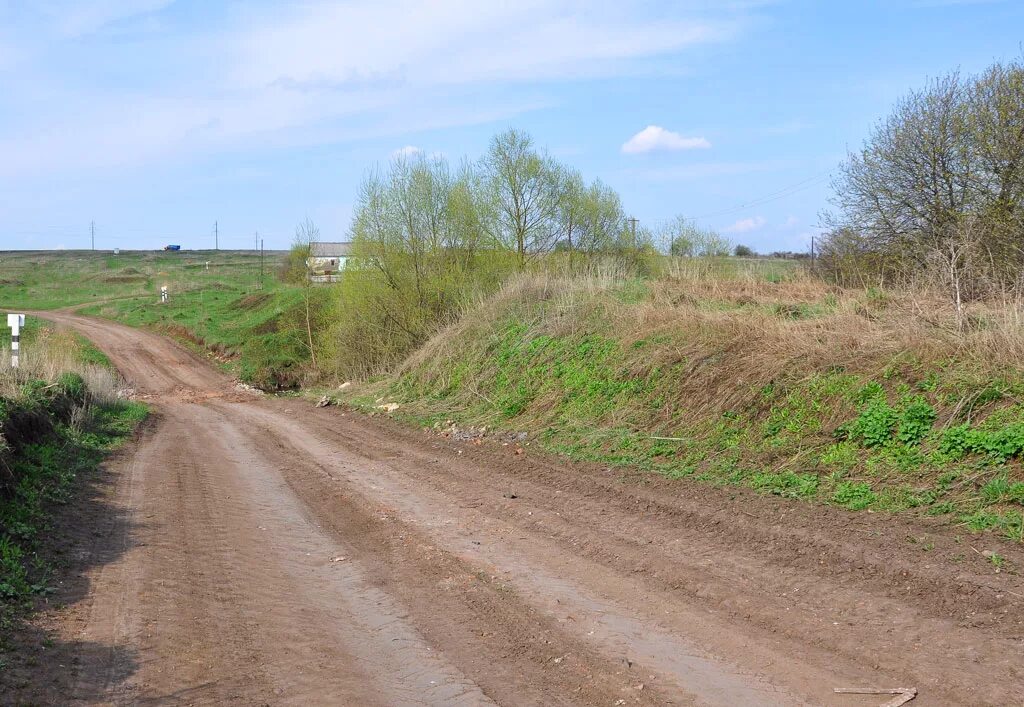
(328, 257)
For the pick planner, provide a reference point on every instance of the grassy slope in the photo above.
(52, 431)
(249, 323)
(792, 388)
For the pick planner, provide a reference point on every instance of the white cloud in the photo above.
(655, 137)
(745, 225)
(407, 151)
(790, 222)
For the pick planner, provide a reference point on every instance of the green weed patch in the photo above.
(44, 446)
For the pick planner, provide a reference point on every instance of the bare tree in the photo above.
(523, 193)
(950, 152)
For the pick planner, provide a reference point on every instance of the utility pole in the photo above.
(216, 236)
(633, 222)
(92, 233)
(812, 252)
(261, 257)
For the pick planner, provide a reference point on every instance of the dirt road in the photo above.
(262, 551)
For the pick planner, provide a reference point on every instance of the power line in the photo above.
(773, 196)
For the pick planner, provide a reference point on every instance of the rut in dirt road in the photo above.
(280, 554)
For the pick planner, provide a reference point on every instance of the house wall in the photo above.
(326, 264)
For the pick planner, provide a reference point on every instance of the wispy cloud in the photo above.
(76, 18)
(272, 75)
(457, 41)
(745, 225)
(703, 170)
(655, 138)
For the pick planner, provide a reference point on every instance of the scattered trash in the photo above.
(903, 694)
(246, 388)
(324, 402)
(337, 559)
(388, 407)
(345, 386)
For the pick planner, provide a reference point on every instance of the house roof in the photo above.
(336, 249)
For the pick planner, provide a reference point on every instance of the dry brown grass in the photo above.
(733, 336)
(51, 353)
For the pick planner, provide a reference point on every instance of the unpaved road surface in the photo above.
(260, 551)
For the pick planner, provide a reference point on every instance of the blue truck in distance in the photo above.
(172, 247)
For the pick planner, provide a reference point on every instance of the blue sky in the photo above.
(155, 118)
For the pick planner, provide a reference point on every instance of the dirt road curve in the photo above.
(261, 551)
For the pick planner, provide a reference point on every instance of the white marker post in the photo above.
(163, 294)
(15, 322)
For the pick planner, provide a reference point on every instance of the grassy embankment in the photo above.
(251, 325)
(60, 414)
(862, 399)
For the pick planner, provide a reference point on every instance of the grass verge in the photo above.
(791, 388)
(54, 429)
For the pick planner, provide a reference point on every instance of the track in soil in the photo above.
(262, 551)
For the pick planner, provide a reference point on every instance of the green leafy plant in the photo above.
(915, 420)
(854, 495)
(874, 426)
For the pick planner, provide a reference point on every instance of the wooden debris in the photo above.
(903, 694)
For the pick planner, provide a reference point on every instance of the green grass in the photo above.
(251, 324)
(41, 461)
(55, 279)
(897, 440)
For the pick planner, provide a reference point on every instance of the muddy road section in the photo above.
(263, 551)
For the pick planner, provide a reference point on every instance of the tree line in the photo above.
(429, 238)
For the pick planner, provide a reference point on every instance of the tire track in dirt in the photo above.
(853, 606)
(543, 574)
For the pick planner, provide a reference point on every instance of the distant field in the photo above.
(225, 307)
(53, 279)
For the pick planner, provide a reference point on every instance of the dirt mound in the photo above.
(251, 302)
(179, 332)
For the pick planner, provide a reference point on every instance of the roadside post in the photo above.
(15, 322)
(163, 294)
